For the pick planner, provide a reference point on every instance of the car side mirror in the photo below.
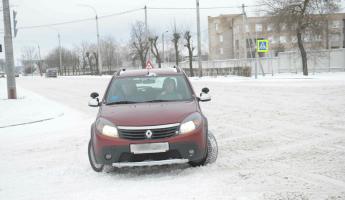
(94, 102)
(94, 95)
(205, 90)
(204, 96)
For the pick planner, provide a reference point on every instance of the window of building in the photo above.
(335, 37)
(275, 40)
(283, 27)
(269, 27)
(237, 44)
(247, 28)
(282, 39)
(216, 26)
(335, 24)
(221, 51)
(237, 29)
(258, 27)
(221, 38)
(318, 37)
(294, 39)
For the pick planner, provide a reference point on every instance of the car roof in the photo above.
(145, 72)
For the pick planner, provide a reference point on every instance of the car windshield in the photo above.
(148, 89)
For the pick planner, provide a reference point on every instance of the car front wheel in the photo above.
(212, 152)
(95, 166)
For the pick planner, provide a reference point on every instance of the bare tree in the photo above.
(83, 49)
(189, 46)
(138, 43)
(110, 53)
(29, 59)
(154, 49)
(176, 40)
(70, 60)
(306, 16)
(87, 56)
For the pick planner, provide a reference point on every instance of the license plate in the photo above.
(149, 148)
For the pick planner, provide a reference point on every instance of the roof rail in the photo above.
(121, 70)
(178, 69)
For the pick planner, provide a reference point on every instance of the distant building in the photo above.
(229, 36)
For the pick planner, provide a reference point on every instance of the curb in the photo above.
(32, 122)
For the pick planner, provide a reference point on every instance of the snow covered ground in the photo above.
(280, 137)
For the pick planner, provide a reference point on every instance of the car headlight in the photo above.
(191, 123)
(107, 128)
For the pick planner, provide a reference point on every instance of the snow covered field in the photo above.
(280, 137)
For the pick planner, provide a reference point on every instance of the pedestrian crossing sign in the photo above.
(262, 46)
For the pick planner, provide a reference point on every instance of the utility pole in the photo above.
(199, 37)
(244, 30)
(147, 31)
(99, 48)
(11, 81)
(98, 38)
(146, 27)
(40, 59)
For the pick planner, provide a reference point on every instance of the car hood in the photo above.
(148, 114)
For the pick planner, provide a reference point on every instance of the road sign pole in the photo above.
(11, 81)
(256, 68)
(199, 37)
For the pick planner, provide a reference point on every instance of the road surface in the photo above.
(279, 138)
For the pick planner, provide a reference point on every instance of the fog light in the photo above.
(107, 156)
(191, 152)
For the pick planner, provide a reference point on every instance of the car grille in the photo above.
(139, 133)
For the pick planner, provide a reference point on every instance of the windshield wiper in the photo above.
(160, 100)
(122, 102)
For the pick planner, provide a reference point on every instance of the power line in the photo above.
(201, 8)
(57, 24)
(120, 13)
(130, 11)
(79, 20)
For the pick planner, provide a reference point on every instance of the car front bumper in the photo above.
(182, 148)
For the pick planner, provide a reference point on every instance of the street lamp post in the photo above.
(199, 37)
(60, 48)
(98, 39)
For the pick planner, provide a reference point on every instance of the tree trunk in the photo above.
(143, 62)
(191, 63)
(176, 53)
(303, 54)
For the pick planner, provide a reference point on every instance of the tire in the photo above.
(212, 149)
(95, 166)
(212, 152)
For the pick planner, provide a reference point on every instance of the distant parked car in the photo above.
(16, 74)
(51, 72)
(2, 74)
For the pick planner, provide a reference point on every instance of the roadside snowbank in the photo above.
(28, 108)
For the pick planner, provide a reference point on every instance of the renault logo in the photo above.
(148, 134)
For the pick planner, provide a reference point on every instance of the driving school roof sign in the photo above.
(149, 64)
(262, 46)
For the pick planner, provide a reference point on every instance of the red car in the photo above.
(150, 117)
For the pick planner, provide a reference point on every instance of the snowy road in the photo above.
(279, 138)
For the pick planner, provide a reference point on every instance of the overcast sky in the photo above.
(38, 12)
